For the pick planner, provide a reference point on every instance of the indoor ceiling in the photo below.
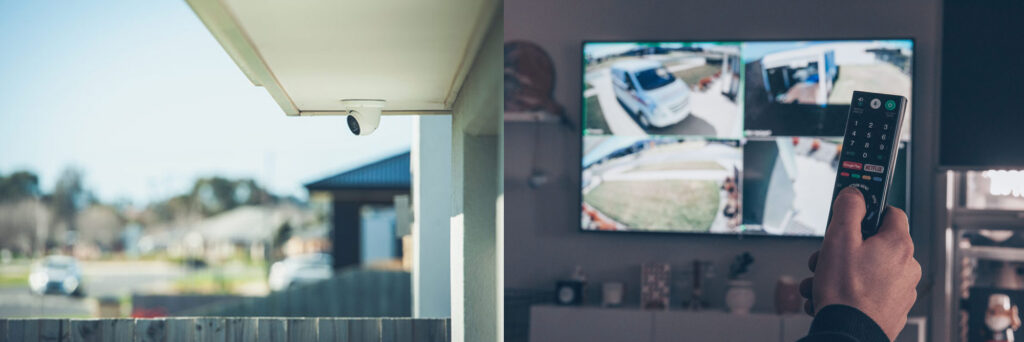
(311, 54)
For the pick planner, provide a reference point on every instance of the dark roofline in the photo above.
(398, 182)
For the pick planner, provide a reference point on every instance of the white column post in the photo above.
(431, 206)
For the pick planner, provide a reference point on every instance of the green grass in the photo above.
(595, 116)
(692, 76)
(218, 281)
(11, 280)
(671, 205)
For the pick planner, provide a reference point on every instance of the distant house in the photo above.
(362, 214)
(244, 229)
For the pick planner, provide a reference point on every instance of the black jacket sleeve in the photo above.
(841, 323)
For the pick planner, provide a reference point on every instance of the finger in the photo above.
(812, 262)
(809, 308)
(807, 288)
(894, 225)
(847, 213)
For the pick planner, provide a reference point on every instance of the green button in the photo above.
(890, 104)
(854, 175)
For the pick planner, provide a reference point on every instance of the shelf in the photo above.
(988, 219)
(994, 253)
(533, 117)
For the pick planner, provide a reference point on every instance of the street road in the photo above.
(101, 279)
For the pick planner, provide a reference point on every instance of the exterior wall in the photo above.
(476, 164)
(431, 203)
(544, 243)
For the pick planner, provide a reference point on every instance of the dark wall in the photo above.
(982, 72)
(346, 234)
(542, 241)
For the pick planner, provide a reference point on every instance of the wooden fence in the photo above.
(350, 293)
(227, 329)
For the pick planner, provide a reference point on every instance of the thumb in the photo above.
(847, 213)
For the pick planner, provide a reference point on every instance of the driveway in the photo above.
(713, 114)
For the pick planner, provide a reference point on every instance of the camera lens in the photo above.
(353, 124)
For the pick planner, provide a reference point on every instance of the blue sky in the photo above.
(140, 96)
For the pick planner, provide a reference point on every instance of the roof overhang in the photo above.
(310, 55)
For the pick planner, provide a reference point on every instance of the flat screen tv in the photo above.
(726, 137)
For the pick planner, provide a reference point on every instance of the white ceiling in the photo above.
(311, 54)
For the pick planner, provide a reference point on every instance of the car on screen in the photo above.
(56, 274)
(300, 269)
(650, 92)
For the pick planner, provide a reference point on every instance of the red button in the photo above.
(851, 165)
(844, 174)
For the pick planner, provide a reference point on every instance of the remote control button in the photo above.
(844, 174)
(880, 156)
(881, 147)
(874, 168)
(877, 179)
(854, 175)
(871, 124)
(883, 136)
(852, 165)
(890, 104)
(854, 133)
(867, 145)
(867, 135)
(865, 177)
(865, 155)
(875, 103)
(885, 126)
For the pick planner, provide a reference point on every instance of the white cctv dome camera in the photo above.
(363, 115)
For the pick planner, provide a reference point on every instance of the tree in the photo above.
(19, 186)
(100, 225)
(69, 196)
(215, 195)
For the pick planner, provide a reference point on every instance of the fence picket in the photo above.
(150, 330)
(85, 330)
(119, 330)
(53, 330)
(179, 329)
(210, 330)
(272, 330)
(230, 329)
(302, 329)
(365, 330)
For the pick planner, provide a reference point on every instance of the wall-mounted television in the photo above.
(726, 137)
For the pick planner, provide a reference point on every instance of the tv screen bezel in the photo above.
(740, 235)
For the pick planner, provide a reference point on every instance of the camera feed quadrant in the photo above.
(801, 88)
(669, 184)
(662, 88)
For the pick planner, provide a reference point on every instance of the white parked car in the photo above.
(650, 92)
(300, 269)
(56, 274)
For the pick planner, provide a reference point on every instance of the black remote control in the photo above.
(869, 151)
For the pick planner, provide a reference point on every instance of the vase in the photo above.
(740, 296)
(787, 296)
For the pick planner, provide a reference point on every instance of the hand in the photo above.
(877, 275)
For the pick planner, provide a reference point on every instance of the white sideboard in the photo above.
(550, 323)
